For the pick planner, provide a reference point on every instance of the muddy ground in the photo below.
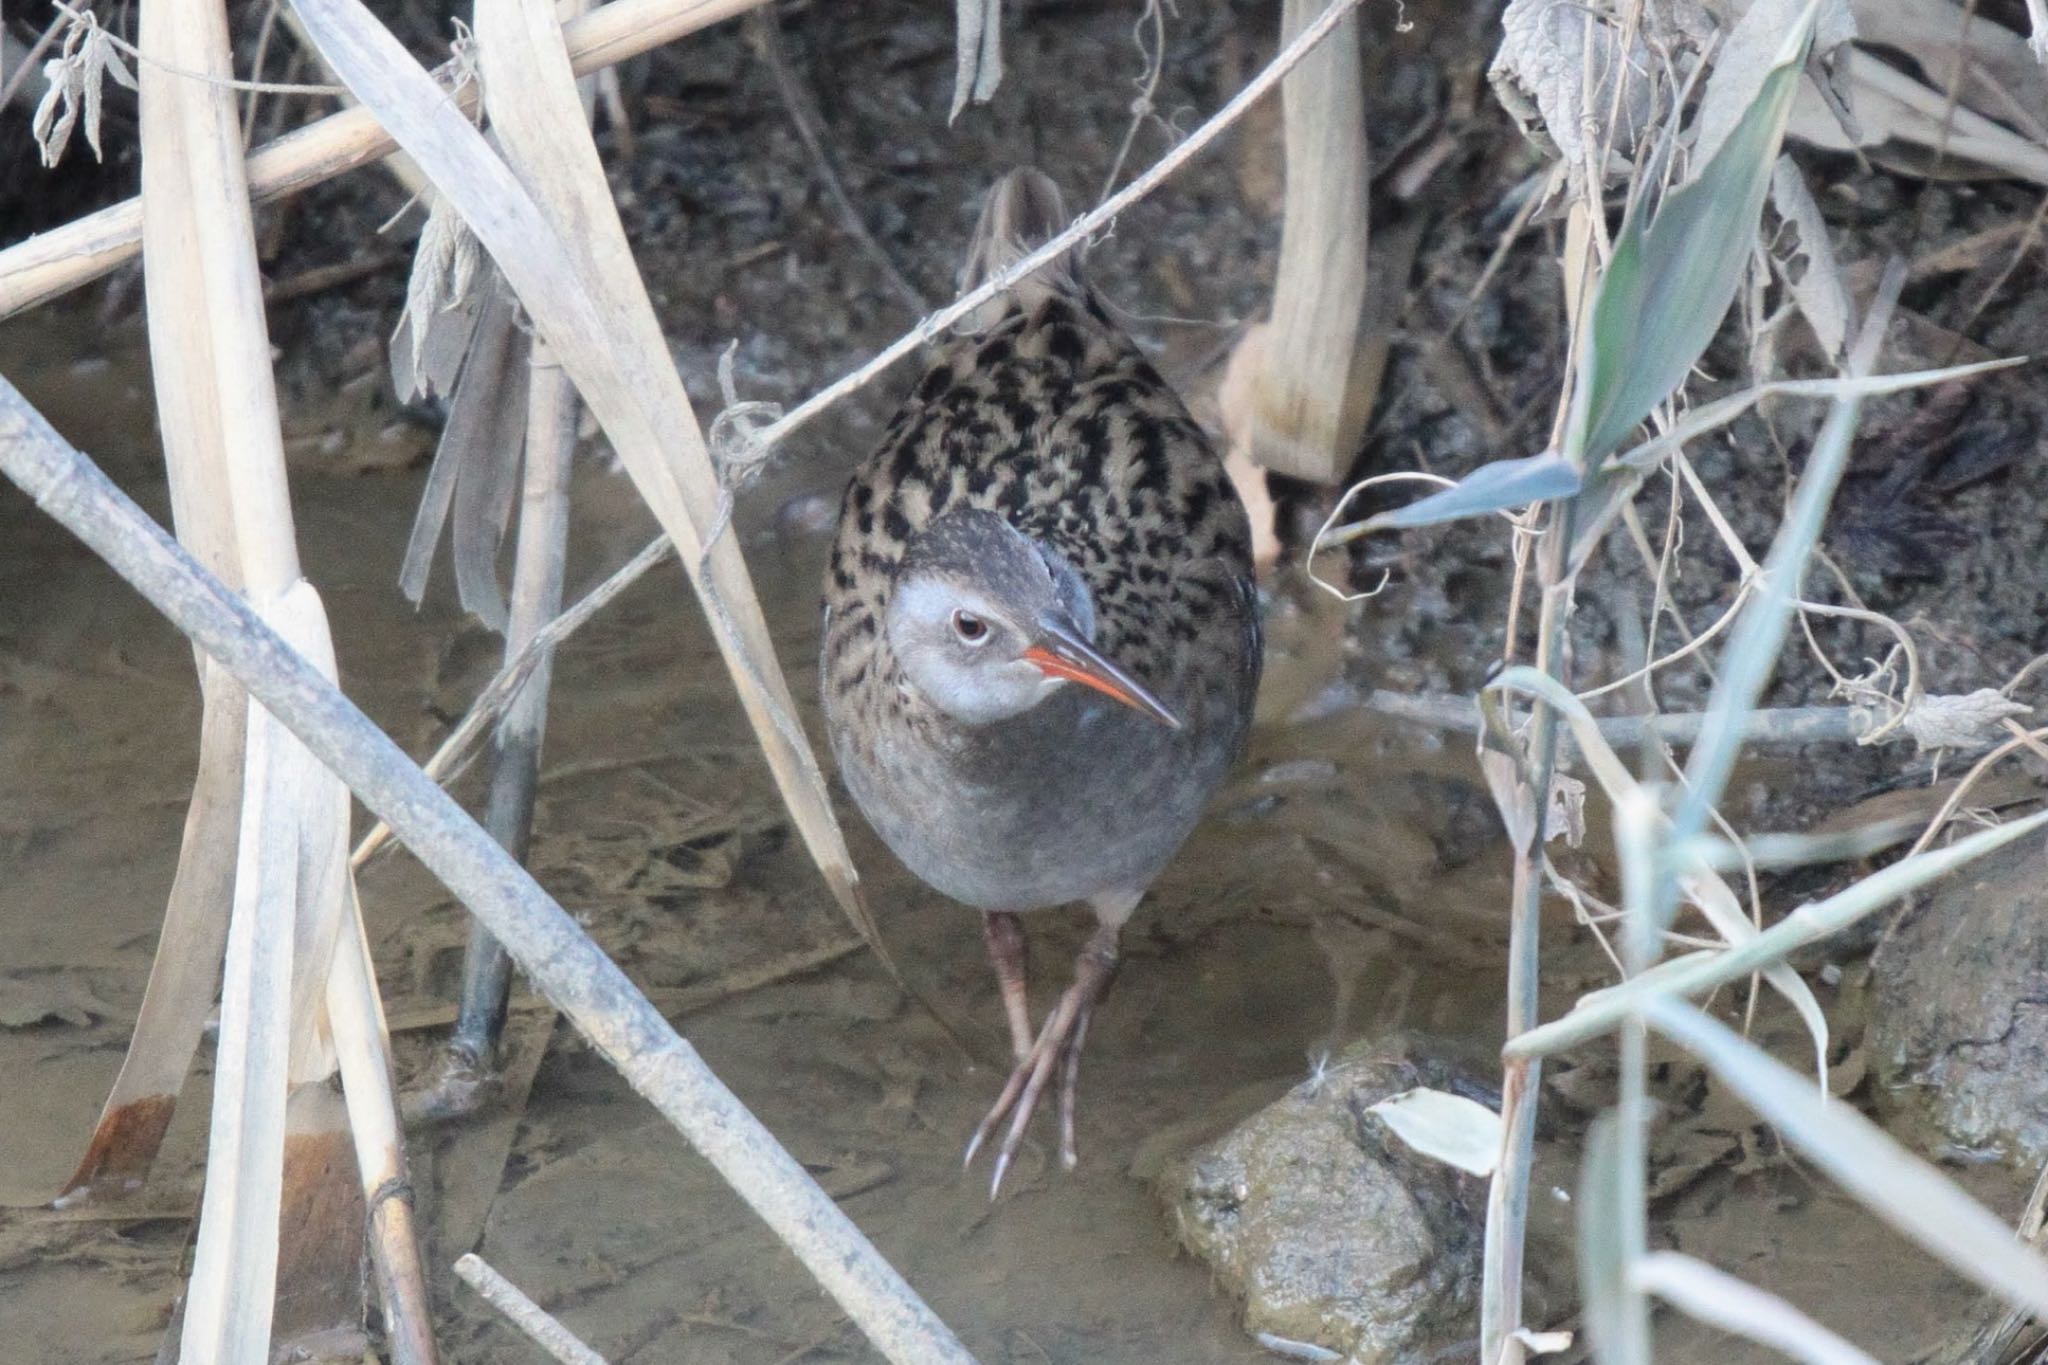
(1352, 879)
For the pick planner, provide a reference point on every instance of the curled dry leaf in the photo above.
(1807, 261)
(1555, 74)
(1567, 816)
(444, 271)
(1967, 720)
(74, 77)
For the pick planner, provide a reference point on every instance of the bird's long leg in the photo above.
(1005, 934)
(1058, 1046)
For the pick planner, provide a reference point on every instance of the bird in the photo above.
(1041, 642)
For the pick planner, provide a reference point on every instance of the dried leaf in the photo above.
(1444, 1127)
(75, 79)
(1966, 720)
(1999, 76)
(1567, 816)
(1543, 1343)
(1911, 126)
(978, 52)
(1747, 57)
(1554, 73)
(444, 271)
(1809, 267)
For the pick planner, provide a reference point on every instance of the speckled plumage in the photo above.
(1050, 418)
(1053, 419)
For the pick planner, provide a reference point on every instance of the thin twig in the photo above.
(537, 1325)
(30, 60)
(1784, 725)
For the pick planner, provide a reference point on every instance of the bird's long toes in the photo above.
(1070, 1073)
(1041, 1070)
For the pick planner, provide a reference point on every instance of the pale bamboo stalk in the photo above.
(54, 262)
(1318, 373)
(270, 1144)
(363, 1045)
(202, 289)
(234, 1262)
(554, 952)
(535, 1323)
(537, 570)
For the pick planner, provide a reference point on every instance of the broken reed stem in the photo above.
(555, 953)
(363, 1046)
(1317, 367)
(538, 1325)
(54, 262)
(498, 693)
(537, 567)
(210, 356)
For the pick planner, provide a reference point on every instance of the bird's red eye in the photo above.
(970, 627)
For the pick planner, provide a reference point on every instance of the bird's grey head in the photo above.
(987, 623)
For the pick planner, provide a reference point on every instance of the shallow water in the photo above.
(1348, 882)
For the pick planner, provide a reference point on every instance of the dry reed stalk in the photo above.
(360, 1038)
(1318, 366)
(229, 1304)
(55, 262)
(537, 570)
(280, 1242)
(398, 165)
(197, 246)
(555, 953)
(554, 231)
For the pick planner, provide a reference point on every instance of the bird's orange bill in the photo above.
(1067, 656)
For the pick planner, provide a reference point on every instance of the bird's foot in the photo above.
(1056, 1049)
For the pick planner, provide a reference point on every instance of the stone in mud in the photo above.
(1330, 1230)
(1959, 1010)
